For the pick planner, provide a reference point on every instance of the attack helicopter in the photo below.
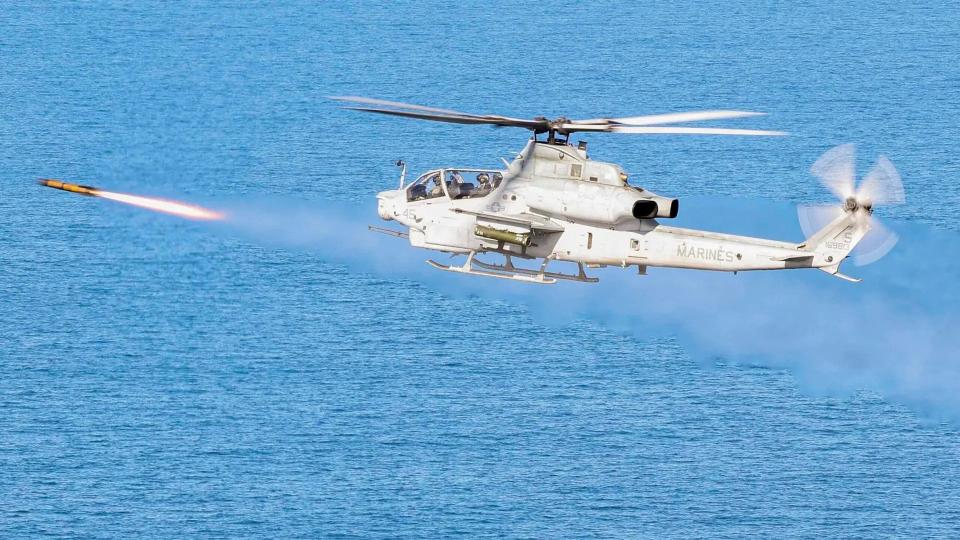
(552, 203)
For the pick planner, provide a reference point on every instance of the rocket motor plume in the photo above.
(175, 208)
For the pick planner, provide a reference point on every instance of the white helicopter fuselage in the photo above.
(554, 203)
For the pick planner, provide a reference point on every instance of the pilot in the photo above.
(437, 189)
(483, 182)
(497, 178)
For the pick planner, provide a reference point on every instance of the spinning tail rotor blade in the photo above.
(835, 169)
(882, 185)
(878, 242)
(815, 217)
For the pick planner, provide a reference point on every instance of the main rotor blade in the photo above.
(667, 130)
(396, 104)
(539, 124)
(882, 185)
(460, 119)
(570, 128)
(670, 118)
(402, 108)
(835, 169)
(877, 243)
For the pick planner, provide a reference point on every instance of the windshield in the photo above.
(457, 183)
(427, 186)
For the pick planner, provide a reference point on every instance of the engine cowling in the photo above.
(585, 201)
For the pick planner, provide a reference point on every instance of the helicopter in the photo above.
(552, 204)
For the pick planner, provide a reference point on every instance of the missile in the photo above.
(500, 235)
(176, 208)
(66, 186)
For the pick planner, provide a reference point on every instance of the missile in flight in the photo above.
(175, 208)
(72, 188)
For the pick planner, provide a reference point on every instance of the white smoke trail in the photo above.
(895, 333)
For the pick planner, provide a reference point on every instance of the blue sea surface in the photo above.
(286, 375)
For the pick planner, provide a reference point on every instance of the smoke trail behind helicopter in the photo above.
(891, 334)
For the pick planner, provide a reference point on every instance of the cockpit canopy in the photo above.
(454, 184)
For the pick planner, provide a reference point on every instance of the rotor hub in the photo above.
(851, 204)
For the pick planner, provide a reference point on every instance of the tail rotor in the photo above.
(882, 186)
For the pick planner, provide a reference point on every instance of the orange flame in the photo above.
(180, 209)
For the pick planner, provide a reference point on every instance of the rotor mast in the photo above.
(555, 128)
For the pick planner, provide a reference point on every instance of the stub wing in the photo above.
(532, 222)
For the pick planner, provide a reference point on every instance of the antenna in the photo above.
(403, 171)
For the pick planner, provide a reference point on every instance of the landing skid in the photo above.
(509, 271)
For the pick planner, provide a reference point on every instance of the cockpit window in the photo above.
(472, 184)
(459, 183)
(428, 186)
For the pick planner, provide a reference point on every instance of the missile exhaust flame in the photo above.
(175, 208)
(184, 210)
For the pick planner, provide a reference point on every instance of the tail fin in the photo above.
(833, 243)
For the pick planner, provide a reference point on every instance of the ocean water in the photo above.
(287, 375)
